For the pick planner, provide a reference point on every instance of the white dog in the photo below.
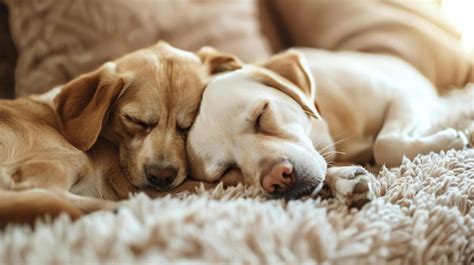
(268, 126)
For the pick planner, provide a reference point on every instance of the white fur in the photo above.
(373, 106)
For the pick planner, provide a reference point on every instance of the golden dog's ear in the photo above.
(82, 105)
(290, 74)
(218, 62)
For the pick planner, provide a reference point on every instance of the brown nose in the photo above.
(159, 176)
(280, 177)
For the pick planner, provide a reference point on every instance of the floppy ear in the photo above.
(292, 66)
(82, 105)
(290, 74)
(218, 62)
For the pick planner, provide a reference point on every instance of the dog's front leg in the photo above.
(41, 173)
(408, 130)
(88, 204)
(352, 185)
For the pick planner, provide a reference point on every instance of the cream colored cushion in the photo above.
(412, 30)
(59, 39)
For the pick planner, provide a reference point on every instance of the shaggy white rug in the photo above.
(425, 215)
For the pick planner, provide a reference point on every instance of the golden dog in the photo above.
(116, 130)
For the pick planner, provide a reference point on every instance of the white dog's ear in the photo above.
(218, 62)
(290, 74)
(292, 66)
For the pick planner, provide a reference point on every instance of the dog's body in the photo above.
(269, 132)
(102, 136)
(378, 108)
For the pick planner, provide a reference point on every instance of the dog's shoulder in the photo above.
(26, 110)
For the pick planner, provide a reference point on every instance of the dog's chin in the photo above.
(298, 190)
(142, 184)
(132, 176)
(139, 183)
(178, 181)
(145, 185)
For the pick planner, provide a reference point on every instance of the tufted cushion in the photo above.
(412, 30)
(59, 39)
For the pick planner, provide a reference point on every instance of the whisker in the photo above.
(339, 137)
(326, 147)
(310, 114)
(335, 137)
(326, 155)
(333, 144)
(335, 152)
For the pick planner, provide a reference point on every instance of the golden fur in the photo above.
(79, 146)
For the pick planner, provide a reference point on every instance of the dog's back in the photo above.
(21, 121)
(27, 127)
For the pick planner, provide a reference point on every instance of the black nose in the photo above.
(159, 176)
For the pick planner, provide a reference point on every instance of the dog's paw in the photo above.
(352, 185)
(451, 139)
(17, 183)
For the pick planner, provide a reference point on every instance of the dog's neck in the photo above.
(106, 178)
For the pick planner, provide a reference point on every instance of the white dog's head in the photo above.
(257, 124)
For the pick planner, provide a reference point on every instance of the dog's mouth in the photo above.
(148, 186)
(151, 186)
(142, 183)
(299, 190)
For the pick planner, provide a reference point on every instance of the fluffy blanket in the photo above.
(425, 215)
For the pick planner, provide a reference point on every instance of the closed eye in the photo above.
(184, 129)
(260, 115)
(141, 123)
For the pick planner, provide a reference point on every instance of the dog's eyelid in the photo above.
(139, 121)
(184, 127)
(311, 115)
(262, 111)
(257, 121)
(265, 106)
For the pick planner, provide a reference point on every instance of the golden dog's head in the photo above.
(144, 103)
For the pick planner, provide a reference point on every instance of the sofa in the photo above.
(425, 211)
(47, 43)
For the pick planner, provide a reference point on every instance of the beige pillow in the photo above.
(59, 39)
(412, 30)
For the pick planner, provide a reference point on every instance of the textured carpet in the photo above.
(425, 215)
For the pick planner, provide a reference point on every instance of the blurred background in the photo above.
(44, 43)
(460, 13)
